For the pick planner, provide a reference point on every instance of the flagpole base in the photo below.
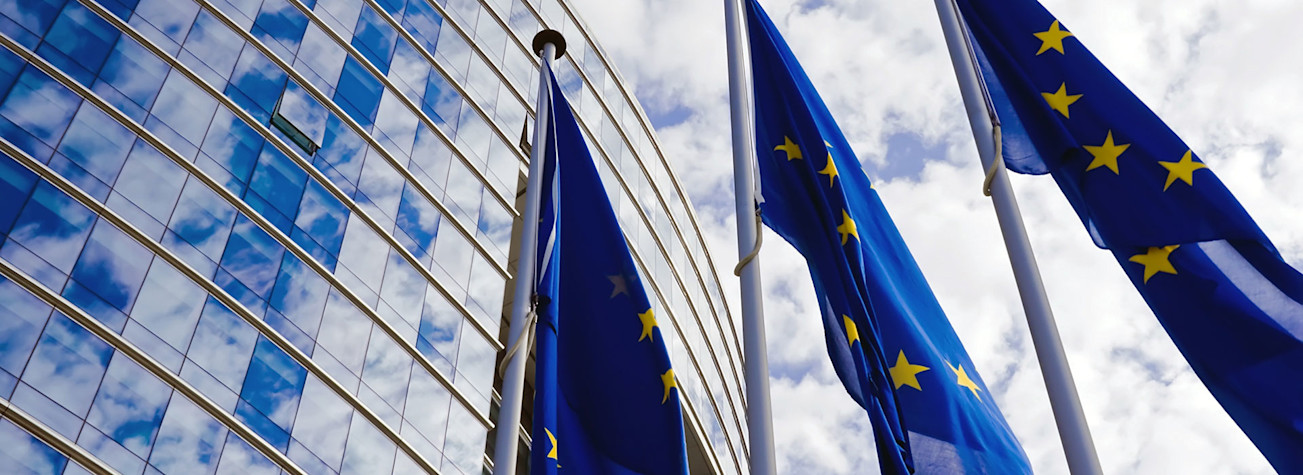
(550, 36)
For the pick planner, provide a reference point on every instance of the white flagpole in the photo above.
(549, 44)
(759, 423)
(1075, 434)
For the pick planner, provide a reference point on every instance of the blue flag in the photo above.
(605, 401)
(1225, 296)
(890, 343)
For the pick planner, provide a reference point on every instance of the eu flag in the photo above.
(888, 338)
(1218, 286)
(605, 401)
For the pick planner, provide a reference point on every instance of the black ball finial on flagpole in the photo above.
(550, 36)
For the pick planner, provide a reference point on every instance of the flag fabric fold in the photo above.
(1212, 278)
(888, 338)
(606, 400)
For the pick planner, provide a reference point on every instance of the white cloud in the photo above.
(1223, 74)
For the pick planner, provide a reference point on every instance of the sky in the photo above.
(1223, 74)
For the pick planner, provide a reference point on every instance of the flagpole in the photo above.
(549, 44)
(1071, 420)
(759, 423)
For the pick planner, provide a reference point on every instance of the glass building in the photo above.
(249, 236)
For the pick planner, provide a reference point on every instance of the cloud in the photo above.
(1222, 74)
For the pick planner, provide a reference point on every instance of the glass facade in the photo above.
(247, 236)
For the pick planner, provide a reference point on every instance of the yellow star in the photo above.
(847, 228)
(1156, 260)
(964, 380)
(1106, 155)
(852, 333)
(1183, 169)
(1060, 100)
(621, 286)
(905, 373)
(667, 380)
(830, 170)
(648, 322)
(1052, 38)
(793, 152)
(551, 438)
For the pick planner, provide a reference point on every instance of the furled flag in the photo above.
(1218, 286)
(888, 338)
(605, 401)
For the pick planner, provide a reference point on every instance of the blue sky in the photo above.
(1223, 75)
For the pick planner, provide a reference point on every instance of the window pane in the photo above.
(112, 266)
(375, 39)
(26, 454)
(53, 226)
(223, 344)
(130, 404)
(68, 360)
(358, 93)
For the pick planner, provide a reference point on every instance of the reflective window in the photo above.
(112, 266)
(418, 221)
(22, 452)
(36, 112)
(303, 116)
(358, 93)
(271, 392)
(464, 447)
(404, 289)
(364, 255)
(22, 317)
(452, 255)
(375, 39)
(396, 126)
(409, 71)
(319, 226)
(442, 103)
(475, 366)
(68, 359)
(344, 332)
(440, 331)
(241, 12)
(379, 189)
(150, 181)
(53, 227)
(92, 151)
(368, 450)
(453, 53)
(280, 26)
(202, 219)
(341, 154)
(223, 344)
(256, 83)
(387, 370)
(181, 114)
(300, 295)
(319, 426)
(280, 182)
(430, 159)
(188, 441)
(423, 23)
(341, 15)
(252, 256)
(164, 22)
(29, 21)
(210, 48)
(230, 149)
(486, 291)
(78, 42)
(129, 407)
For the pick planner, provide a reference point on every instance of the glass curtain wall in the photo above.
(274, 235)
